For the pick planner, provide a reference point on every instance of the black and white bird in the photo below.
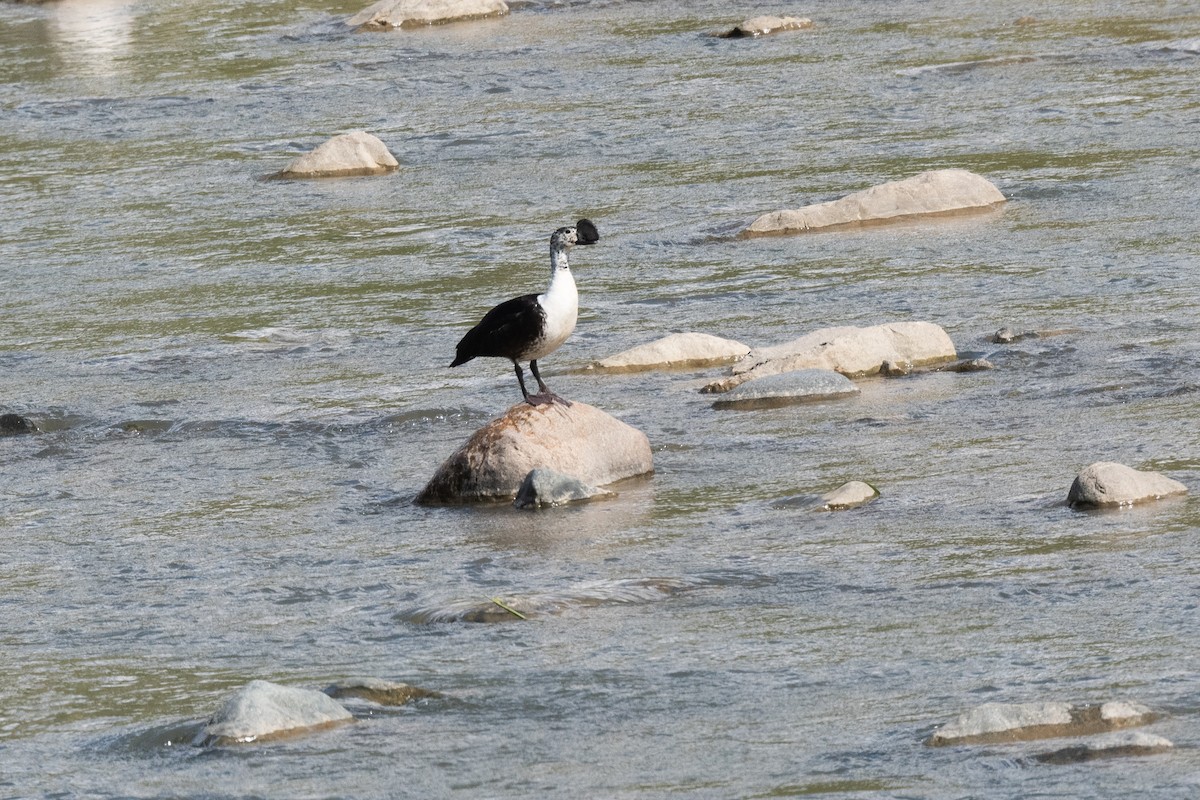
(533, 326)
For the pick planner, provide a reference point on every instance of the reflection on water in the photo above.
(92, 36)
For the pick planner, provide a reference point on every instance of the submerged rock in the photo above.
(376, 690)
(854, 352)
(937, 192)
(545, 487)
(1111, 745)
(13, 424)
(762, 25)
(676, 350)
(787, 388)
(1016, 722)
(1106, 483)
(580, 440)
(263, 710)
(391, 14)
(969, 365)
(354, 153)
(851, 494)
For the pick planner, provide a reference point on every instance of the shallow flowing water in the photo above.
(242, 384)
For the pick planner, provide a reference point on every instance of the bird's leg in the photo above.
(544, 394)
(521, 380)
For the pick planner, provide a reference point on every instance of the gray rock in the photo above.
(349, 154)
(545, 487)
(786, 388)
(261, 710)
(762, 25)
(1106, 483)
(579, 440)
(675, 351)
(969, 365)
(391, 14)
(937, 192)
(849, 495)
(854, 352)
(1014, 722)
(1110, 745)
(12, 424)
(376, 690)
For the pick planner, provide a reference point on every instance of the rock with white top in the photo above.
(262, 710)
(391, 14)
(854, 352)
(1015, 722)
(851, 494)
(762, 25)
(678, 350)
(1108, 484)
(579, 440)
(936, 192)
(348, 154)
(788, 388)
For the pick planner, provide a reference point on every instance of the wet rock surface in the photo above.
(262, 710)
(675, 351)
(788, 388)
(1015, 722)
(545, 488)
(392, 14)
(765, 24)
(345, 155)
(1123, 744)
(851, 494)
(1109, 484)
(577, 440)
(377, 690)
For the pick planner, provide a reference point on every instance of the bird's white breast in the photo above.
(560, 302)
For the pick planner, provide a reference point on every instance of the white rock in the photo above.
(1109, 745)
(849, 495)
(1011, 722)
(264, 710)
(936, 192)
(676, 350)
(580, 440)
(854, 352)
(354, 153)
(762, 25)
(796, 386)
(389, 14)
(1106, 483)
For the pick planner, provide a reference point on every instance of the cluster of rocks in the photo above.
(1105, 724)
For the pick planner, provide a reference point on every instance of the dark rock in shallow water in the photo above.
(545, 487)
(786, 388)
(761, 26)
(1111, 745)
(577, 440)
(12, 424)
(376, 690)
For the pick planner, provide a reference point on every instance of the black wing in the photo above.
(507, 331)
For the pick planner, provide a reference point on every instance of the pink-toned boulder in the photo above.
(580, 441)
(938, 192)
(354, 153)
(1106, 483)
(854, 352)
(391, 14)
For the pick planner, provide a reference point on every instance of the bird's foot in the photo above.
(547, 398)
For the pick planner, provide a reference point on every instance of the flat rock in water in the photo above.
(786, 388)
(937, 192)
(1111, 745)
(853, 352)
(377, 690)
(580, 440)
(264, 710)
(849, 495)
(762, 25)
(1106, 483)
(676, 350)
(1015, 722)
(545, 487)
(391, 14)
(348, 154)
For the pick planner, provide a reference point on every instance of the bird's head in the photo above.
(582, 232)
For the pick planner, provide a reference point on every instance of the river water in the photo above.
(242, 384)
